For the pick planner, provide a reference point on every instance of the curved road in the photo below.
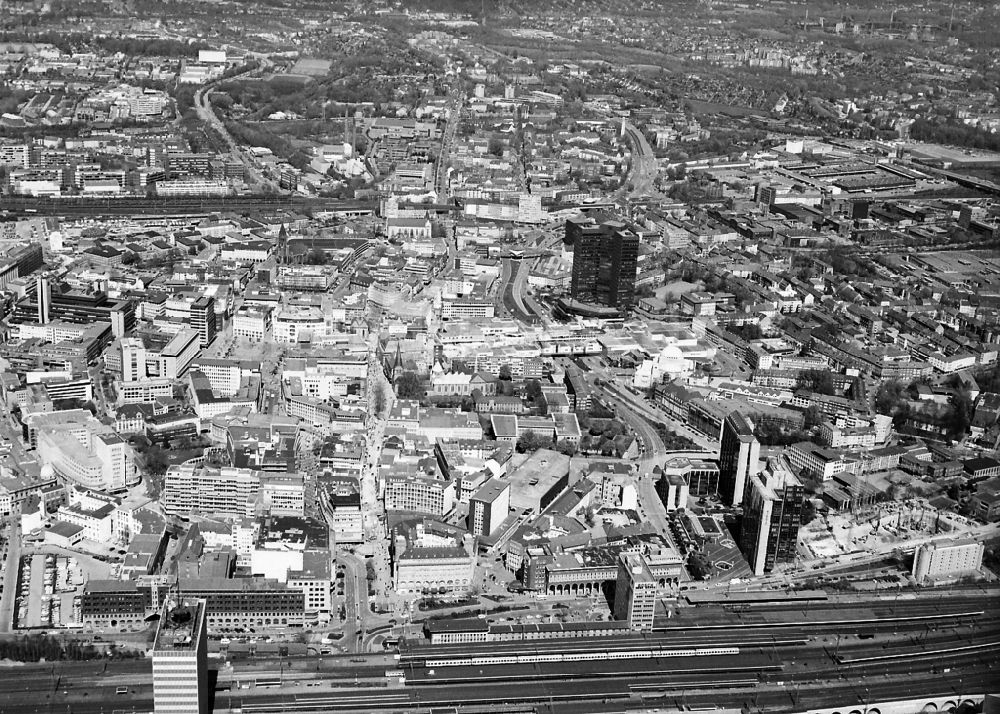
(655, 414)
(639, 416)
(514, 280)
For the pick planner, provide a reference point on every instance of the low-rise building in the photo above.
(434, 569)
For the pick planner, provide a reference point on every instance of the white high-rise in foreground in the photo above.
(635, 592)
(945, 560)
(180, 659)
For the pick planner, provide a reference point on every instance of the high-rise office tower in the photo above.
(605, 260)
(180, 658)
(635, 592)
(203, 319)
(133, 359)
(488, 507)
(772, 514)
(44, 298)
(739, 456)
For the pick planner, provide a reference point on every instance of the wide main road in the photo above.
(453, 117)
(203, 107)
(654, 414)
(513, 284)
(643, 171)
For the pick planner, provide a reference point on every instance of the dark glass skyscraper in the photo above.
(772, 514)
(605, 259)
(739, 457)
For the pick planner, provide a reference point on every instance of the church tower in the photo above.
(283, 246)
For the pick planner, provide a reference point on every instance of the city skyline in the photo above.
(558, 358)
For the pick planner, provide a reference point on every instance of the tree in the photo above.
(888, 397)
(770, 433)
(808, 511)
(505, 372)
(816, 380)
(156, 464)
(813, 416)
(568, 448)
(533, 391)
(315, 257)
(409, 386)
(676, 173)
(960, 414)
(613, 429)
(989, 380)
(156, 459)
(379, 401)
(530, 441)
(749, 331)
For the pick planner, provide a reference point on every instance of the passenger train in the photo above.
(490, 660)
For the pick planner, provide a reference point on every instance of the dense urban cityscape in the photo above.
(492, 356)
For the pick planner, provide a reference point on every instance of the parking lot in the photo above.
(51, 579)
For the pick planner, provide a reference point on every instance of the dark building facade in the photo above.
(739, 454)
(28, 258)
(230, 602)
(772, 514)
(605, 260)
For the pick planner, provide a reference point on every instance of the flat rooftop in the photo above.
(180, 626)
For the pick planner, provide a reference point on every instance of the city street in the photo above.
(442, 178)
(203, 107)
(651, 506)
(9, 568)
(642, 408)
(355, 600)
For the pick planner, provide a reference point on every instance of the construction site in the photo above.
(880, 528)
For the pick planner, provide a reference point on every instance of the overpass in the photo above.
(960, 179)
(924, 705)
